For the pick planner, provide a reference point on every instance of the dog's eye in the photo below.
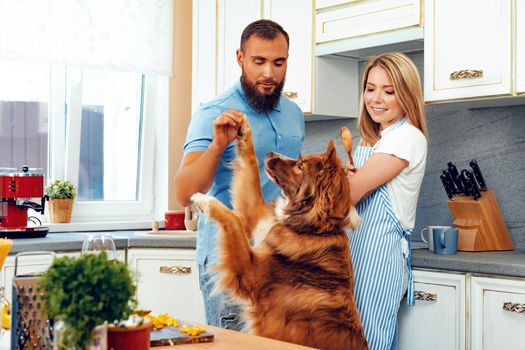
(299, 164)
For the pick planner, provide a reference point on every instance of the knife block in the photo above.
(480, 224)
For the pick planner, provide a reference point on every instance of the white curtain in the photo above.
(121, 35)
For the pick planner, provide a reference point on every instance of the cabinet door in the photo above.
(361, 18)
(233, 16)
(520, 46)
(298, 84)
(168, 281)
(437, 320)
(467, 49)
(498, 313)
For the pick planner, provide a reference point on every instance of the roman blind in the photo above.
(120, 35)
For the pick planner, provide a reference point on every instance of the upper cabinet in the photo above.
(468, 50)
(232, 17)
(298, 86)
(360, 18)
(217, 28)
(320, 86)
(520, 47)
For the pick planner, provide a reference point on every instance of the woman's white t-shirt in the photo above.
(406, 142)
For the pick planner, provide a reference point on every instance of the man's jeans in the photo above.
(219, 310)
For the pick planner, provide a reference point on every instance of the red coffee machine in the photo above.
(16, 191)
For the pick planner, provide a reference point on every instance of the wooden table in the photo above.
(226, 339)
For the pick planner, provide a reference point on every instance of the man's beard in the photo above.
(262, 103)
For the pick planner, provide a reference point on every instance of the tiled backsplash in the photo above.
(495, 137)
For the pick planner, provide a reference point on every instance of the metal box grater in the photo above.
(30, 328)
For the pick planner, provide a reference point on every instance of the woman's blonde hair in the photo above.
(407, 88)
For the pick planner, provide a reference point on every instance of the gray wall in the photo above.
(495, 137)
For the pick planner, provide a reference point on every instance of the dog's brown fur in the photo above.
(298, 282)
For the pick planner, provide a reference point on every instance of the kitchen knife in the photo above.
(468, 187)
(450, 183)
(455, 176)
(477, 174)
(448, 190)
(474, 189)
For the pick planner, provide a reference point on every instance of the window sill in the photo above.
(98, 226)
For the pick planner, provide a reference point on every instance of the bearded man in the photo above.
(277, 125)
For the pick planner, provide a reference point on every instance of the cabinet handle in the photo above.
(291, 94)
(514, 307)
(175, 269)
(466, 74)
(424, 296)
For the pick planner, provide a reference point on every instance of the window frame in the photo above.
(63, 162)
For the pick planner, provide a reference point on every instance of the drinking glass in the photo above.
(99, 243)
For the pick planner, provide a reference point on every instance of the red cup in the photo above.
(174, 220)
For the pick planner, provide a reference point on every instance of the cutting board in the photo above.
(173, 336)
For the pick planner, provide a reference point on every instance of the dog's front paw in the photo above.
(245, 130)
(201, 201)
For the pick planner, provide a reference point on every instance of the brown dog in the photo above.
(298, 281)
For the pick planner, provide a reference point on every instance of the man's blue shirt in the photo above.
(281, 131)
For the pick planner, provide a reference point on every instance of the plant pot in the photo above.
(60, 210)
(130, 337)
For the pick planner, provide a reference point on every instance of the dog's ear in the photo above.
(331, 153)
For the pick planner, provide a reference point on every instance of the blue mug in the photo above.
(445, 241)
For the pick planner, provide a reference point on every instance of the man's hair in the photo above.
(263, 28)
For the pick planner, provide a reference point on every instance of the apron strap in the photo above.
(410, 292)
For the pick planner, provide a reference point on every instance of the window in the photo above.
(88, 126)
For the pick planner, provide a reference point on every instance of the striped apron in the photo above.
(380, 248)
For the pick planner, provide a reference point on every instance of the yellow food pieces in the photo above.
(163, 320)
(6, 315)
(192, 331)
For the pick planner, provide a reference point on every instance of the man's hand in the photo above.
(225, 129)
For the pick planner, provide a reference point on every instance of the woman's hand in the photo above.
(350, 170)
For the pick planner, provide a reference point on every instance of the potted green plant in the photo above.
(61, 195)
(87, 291)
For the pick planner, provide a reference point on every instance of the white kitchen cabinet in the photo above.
(321, 85)
(360, 18)
(28, 264)
(437, 320)
(298, 86)
(468, 49)
(217, 28)
(232, 17)
(498, 313)
(168, 282)
(520, 47)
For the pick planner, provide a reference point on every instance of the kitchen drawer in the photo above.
(168, 282)
(29, 264)
(498, 313)
(366, 17)
(439, 309)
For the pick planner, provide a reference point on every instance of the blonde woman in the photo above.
(390, 162)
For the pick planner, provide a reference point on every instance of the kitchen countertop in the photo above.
(231, 340)
(509, 263)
